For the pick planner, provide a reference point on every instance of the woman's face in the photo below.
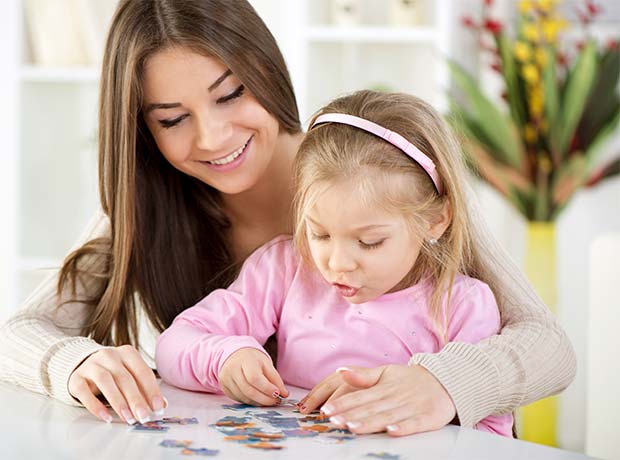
(205, 122)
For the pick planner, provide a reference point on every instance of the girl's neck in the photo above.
(268, 203)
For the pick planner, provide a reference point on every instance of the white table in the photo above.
(35, 426)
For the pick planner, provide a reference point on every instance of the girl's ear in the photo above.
(441, 221)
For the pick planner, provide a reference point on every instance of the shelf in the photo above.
(40, 74)
(372, 34)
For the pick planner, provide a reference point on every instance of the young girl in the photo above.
(382, 268)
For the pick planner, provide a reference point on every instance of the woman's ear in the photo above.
(441, 221)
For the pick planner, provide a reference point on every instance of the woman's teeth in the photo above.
(231, 157)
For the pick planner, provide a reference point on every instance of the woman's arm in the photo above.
(40, 345)
(530, 359)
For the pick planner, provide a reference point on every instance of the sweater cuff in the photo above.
(67, 355)
(469, 377)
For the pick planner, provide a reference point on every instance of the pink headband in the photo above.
(390, 136)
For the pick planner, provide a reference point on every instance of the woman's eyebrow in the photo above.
(174, 105)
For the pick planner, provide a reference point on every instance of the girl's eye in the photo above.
(319, 237)
(234, 95)
(370, 245)
(173, 122)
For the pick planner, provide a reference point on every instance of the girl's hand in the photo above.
(400, 399)
(330, 388)
(124, 379)
(248, 376)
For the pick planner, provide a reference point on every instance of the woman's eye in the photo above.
(172, 122)
(375, 245)
(234, 95)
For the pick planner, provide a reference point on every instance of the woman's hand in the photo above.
(248, 376)
(400, 399)
(124, 379)
(331, 387)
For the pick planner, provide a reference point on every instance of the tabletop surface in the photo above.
(35, 426)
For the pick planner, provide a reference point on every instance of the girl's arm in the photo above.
(192, 351)
(40, 345)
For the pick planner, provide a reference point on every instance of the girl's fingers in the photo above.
(255, 386)
(144, 378)
(274, 377)
(237, 394)
(80, 389)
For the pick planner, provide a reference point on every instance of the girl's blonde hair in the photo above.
(387, 177)
(169, 244)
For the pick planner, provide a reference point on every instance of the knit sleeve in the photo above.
(41, 344)
(530, 359)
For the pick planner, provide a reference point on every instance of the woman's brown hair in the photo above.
(167, 248)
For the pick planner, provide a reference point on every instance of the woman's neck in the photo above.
(268, 204)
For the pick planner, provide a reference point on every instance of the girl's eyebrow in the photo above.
(361, 228)
(174, 105)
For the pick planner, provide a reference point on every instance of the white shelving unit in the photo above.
(48, 124)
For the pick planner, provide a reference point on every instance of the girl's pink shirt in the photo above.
(317, 330)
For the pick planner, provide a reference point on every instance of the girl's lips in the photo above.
(345, 291)
(233, 164)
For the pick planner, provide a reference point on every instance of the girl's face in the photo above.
(205, 122)
(361, 250)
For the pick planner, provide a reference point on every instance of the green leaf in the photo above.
(601, 137)
(501, 133)
(552, 105)
(578, 89)
(513, 88)
(604, 102)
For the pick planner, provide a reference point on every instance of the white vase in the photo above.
(404, 13)
(345, 12)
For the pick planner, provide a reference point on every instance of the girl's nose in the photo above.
(340, 261)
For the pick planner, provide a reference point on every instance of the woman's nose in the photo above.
(213, 134)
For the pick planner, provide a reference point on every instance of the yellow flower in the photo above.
(540, 55)
(544, 164)
(522, 51)
(546, 5)
(530, 74)
(531, 32)
(530, 133)
(525, 6)
(551, 28)
(536, 102)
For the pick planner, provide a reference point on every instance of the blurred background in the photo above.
(531, 86)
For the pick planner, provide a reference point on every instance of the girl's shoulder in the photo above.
(470, 295)
(280, 249)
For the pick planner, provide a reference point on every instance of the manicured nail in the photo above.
(392, 427)
(327, 409)
(128, 416)
(302, 408)
(143, 415)
(343, 369)
(165, 402)
(158, 405)
(337, 420)
(105, 416)
(353, 425)
(276, 394)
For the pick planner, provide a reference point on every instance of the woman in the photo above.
(198, 126)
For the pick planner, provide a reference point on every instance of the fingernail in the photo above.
(392, 427)
(165, 402)
(353, 425)
(337, 420)
(158, 405)
(275, 394)
(128, 416)
(105, 416)
(143, 415)
(342, 369)
(327, 409)
(302, 408)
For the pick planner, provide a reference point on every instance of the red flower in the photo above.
(488, 2)
(493, 26)
(467, 21)
(593, 8)
(497, 67)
